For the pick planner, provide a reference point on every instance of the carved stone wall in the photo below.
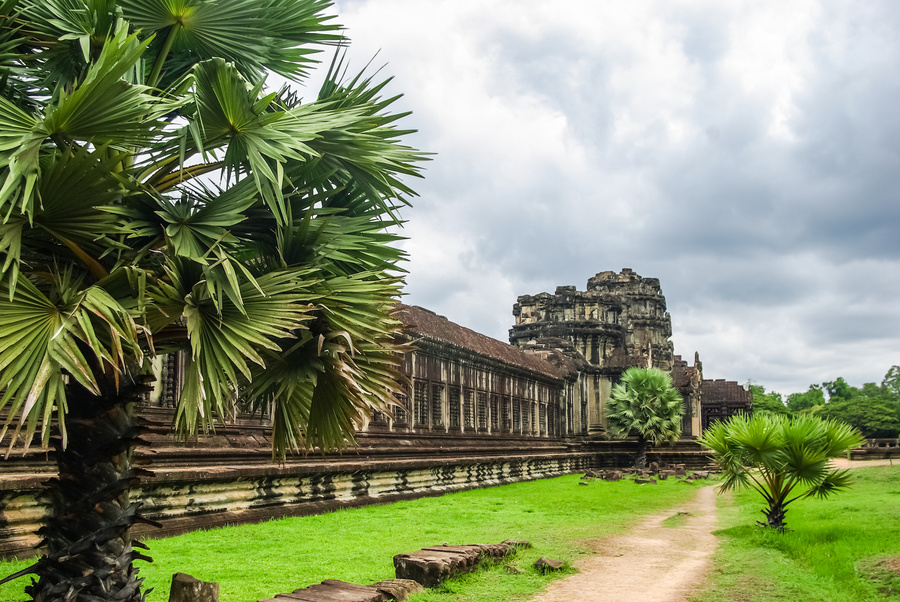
(475, 412)
(464, 383)
(619, 321)
(689, 382)
(721, 399)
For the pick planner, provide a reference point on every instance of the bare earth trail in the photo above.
(651, 562)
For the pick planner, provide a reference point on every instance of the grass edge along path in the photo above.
(357, 545)
(825, 556)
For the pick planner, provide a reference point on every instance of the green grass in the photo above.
(831, 554)
(257, 561)
(679, 519)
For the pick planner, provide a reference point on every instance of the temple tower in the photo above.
(619, 321)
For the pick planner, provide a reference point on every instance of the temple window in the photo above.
(420, 401)
(437, 414)
(454, 407)
(517, 415)
(482, 411)
(495, 414)
(468, 411)
(400, 410)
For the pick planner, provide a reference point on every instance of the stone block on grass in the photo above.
(333, 590)
(517, 543)
(612, 475)
(399, 589)
(545, 565)
(186, 588)
(430, 566)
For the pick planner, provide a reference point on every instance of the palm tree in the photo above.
(782, 458)
(156, 195)
(644, 404)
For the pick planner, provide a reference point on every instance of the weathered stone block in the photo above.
(545, 565)
(431, 566)
(399, 589)
(517, 543)
(612, 475)
(186, 588)
(332, 590)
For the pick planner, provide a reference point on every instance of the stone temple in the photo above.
(619, 321)
(474, 412)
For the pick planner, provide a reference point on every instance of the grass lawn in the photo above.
(834, 552)
(257, 561)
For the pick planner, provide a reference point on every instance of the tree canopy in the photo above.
(644, 404)
(873, 409)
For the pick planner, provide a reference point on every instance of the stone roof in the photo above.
(424, 323)
(725, 391)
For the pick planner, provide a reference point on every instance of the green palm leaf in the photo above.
(156, 196)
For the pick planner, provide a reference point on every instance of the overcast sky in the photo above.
(746, 153)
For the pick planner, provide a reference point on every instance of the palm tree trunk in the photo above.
(640, 459)
(774, 516)
(88, 538)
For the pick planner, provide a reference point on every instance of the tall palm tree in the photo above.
(783, 458)
(644, 404)
(156, 195)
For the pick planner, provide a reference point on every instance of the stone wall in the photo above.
(474, 412)
(219, 480)
(722, 399)
(462, 382)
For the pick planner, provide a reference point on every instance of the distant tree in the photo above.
(797, 402)
(813, 397)
(891, 382)
(870, 390)
(644, 404)
(873, 417)
(767, 402)
(782, 458)
(838, 389)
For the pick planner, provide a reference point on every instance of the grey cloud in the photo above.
(779, 254)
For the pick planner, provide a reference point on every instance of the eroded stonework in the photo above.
(618, 322)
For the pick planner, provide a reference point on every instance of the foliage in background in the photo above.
(767, 401)
(644, 404)
(784, 459)
(157, 195)
(874, 410)
(830, 555)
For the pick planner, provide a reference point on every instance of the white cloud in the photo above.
(746, 153)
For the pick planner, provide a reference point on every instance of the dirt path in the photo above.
(652, 562)
(843, 463)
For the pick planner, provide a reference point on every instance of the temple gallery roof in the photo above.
(727, 391)
(424, 323)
